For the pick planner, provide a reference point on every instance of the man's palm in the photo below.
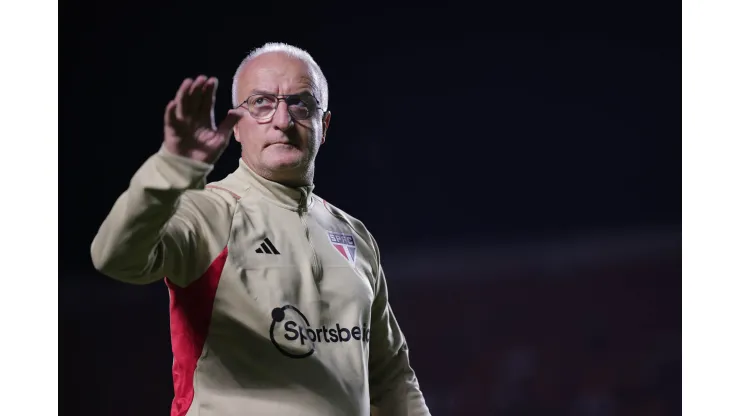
(189, 125)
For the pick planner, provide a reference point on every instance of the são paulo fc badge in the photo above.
(345, 245)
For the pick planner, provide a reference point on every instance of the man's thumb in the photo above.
(228, 123)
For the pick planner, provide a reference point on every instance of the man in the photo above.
(278, 300)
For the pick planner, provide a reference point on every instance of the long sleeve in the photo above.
(394, 389)
(163, 225)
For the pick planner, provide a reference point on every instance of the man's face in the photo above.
(282, 149)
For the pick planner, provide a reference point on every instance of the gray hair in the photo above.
(318, 75)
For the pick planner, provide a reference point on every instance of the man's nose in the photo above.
(282, 118)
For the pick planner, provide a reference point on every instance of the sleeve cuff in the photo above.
(176, 159)
(181, 172)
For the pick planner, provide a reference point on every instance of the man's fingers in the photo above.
(180, 96)
(193, 97)
(170, 113)
(206, 105)
(228, 123)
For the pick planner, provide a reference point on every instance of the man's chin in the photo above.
(285, 161)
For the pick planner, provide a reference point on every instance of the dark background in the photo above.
(505, 131)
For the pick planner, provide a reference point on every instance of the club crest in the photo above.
(345, 245)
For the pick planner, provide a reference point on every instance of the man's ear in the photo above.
(325, 122)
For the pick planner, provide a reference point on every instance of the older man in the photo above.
(278, 301)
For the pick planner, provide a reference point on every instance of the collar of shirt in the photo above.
(288, 197)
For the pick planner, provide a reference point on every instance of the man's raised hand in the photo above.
(189, 126)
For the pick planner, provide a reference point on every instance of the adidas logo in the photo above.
(267, 247)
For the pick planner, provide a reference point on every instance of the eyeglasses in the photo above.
(263, 106)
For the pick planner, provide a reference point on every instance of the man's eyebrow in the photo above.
(300, 92)
(263, 92)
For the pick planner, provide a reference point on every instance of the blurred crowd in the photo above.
(603, 341)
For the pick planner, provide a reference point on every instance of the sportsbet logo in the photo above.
(293, 336)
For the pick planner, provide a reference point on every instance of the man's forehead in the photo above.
(273, 70)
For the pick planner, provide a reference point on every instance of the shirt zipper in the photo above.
(302, 211)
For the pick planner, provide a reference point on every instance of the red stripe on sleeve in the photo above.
(190, 317)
